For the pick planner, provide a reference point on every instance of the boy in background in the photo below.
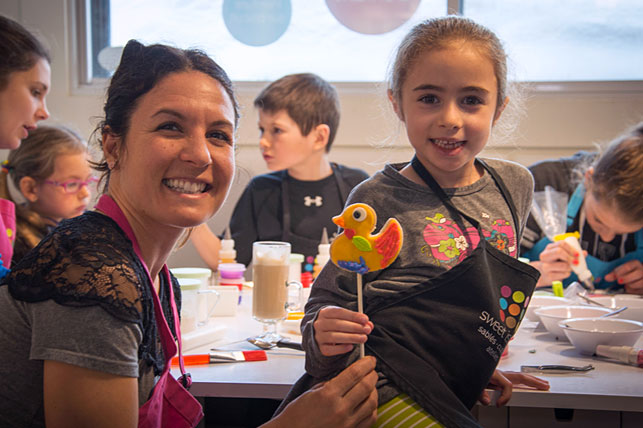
(298, 120)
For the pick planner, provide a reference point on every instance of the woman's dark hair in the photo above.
(19, 49)
(140, 70)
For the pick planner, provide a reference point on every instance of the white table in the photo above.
(258, 379)
(610, 387)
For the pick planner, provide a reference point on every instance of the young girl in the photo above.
(605, 206)
(24, 81)
(438, 318)
(48, 179)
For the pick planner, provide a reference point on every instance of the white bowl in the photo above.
(550, 316)
(587, 333)
(539, 301)
(633, 302)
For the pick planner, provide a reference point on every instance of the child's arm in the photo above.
(330, 328)
(630, 275)
(504, 381)
(207, 244)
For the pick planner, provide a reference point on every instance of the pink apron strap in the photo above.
(170, 405)
(107, 205)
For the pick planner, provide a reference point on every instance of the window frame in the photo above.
(84, 83)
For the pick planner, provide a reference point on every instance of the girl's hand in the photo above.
(555, 262)
(505, 381)
(337, 330)
(630, 275)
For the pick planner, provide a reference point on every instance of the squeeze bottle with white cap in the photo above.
(323, 255)
(625, 354)
(582, 272)
(227, 253)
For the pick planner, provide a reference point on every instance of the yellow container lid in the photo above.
(189, 283)
(191, 272)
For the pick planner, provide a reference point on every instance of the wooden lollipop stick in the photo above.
(360, 308)
(358, 250)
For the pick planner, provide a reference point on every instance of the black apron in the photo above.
(303, 244)
(441, 340)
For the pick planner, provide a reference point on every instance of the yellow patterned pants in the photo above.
(403, 412)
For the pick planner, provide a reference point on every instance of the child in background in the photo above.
(47, 177)
(605, 206)
(434, 318)
(298, 121)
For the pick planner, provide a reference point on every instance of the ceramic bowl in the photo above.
(633, 302)
(587, 333)
(550, 316)
(539, 301)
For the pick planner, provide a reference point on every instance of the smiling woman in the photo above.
(95, 315)
(100, 305)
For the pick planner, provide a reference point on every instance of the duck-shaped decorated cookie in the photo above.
(356, 249)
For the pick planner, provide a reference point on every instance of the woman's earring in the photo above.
(111, 164)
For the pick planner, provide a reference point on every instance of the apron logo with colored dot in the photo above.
(512, 306)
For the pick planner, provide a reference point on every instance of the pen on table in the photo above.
(221, 357)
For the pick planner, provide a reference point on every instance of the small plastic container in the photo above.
(296, 260)
(231, 274)
(197, 304)
(202, 274)
(189, 309)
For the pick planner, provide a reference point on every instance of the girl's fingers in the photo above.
(342, 326)
(332, 350)
(335, 312)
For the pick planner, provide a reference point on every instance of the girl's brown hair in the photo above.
(37, 153)
(618, 174)
(438, 33)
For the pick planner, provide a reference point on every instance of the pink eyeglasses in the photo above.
(73, 186)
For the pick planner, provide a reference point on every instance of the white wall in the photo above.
(554, 123)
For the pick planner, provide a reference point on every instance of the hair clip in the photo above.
(6, 167)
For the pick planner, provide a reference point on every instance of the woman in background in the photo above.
(48, 178)
(24, 81)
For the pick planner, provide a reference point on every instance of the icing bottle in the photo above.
(227, 253)
(323, 254)
(581, 270)
(624, 354)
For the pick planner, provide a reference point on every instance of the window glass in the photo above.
(307, 35)
(353, 40)
(577, 40)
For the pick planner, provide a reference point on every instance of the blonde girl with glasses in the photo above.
(49, 179)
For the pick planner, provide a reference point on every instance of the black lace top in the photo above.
(88, 261)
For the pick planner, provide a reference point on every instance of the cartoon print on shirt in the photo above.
(448, 246)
